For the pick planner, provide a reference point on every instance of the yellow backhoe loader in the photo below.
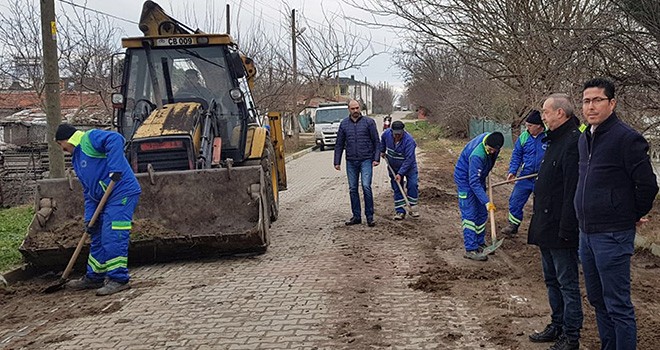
(209, 168)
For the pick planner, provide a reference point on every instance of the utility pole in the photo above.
(293, 47)
(51, 86)
(294, 120)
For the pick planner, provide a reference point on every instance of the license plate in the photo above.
(176, 41)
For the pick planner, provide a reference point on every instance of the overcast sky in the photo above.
(272, 17)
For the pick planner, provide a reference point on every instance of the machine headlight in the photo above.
(236, 95)
(117, 100)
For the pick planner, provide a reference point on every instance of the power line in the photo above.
(97, 11)
(327, 27)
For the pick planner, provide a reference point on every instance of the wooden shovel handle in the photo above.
(97, 213)
(513, 180)
(491, 213)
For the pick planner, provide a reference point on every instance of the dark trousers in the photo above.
(562, 278)
(606, 265)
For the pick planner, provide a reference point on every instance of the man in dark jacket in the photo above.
(554, 226)
(616, 188)
(359, 136)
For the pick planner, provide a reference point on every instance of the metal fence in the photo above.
(479, 126)
(20, 169)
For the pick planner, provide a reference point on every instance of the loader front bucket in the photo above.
(180, 215)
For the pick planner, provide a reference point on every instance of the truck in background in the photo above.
(326, 123)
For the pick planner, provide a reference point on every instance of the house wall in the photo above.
(364, 93)
(19, 134)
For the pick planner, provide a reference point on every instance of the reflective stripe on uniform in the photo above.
(88, 149)
(116, 263)
(470, 225)
(122, 225)
(514, 220)
(95, 265)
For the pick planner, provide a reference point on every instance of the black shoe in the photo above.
(510, 230)
(371, 223)
(565, 344)
(475, 255)
(549, 334)
(353, 221)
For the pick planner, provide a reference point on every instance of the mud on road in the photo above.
(461, 303)
(506, 294)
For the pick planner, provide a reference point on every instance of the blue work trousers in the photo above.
(108, 252)
(357, 170)
(562, 279)
(606, 265)
(521, 191)
(474, 216)
(410, 183)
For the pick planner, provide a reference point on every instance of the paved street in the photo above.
(317, 287)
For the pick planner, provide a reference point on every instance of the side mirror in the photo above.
(117, 69)
(236, 64)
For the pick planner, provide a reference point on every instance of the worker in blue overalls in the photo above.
(526, 157)
(472, 168)
(398, 147)
(98, 158)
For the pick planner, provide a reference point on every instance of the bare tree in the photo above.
(383, 97)
(20, 44)
(533, 48)
(86, 45)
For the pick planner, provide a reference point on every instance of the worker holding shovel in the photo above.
(99, 162)
(526, 158)
(472, 168)
(398, 148)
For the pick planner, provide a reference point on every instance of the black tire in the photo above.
(322, 148)
(270, 173)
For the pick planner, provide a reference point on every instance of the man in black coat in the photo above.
(554, 226)
(616, 189)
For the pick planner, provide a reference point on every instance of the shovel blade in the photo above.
(491, 248)
(55, 287)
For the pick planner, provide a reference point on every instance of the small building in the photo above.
(356, 90)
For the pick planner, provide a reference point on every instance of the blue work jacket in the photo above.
(527, 154)
(98, 153)
(401, 156)
(472, 168)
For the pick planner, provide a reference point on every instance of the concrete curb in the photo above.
(298, 154)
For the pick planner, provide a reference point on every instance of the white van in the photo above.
(326, 123)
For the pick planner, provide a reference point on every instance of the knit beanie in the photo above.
(534, 117)
(495, 140)
(64, 132)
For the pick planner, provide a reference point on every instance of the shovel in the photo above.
(514, 180)
(62, 281)
(405, 196)
(493, 228)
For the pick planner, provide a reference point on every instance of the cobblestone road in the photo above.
(321, 285)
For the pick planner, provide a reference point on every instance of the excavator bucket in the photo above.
(180, 215)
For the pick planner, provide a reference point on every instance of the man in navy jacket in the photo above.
(616, 188)
(358, 135)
